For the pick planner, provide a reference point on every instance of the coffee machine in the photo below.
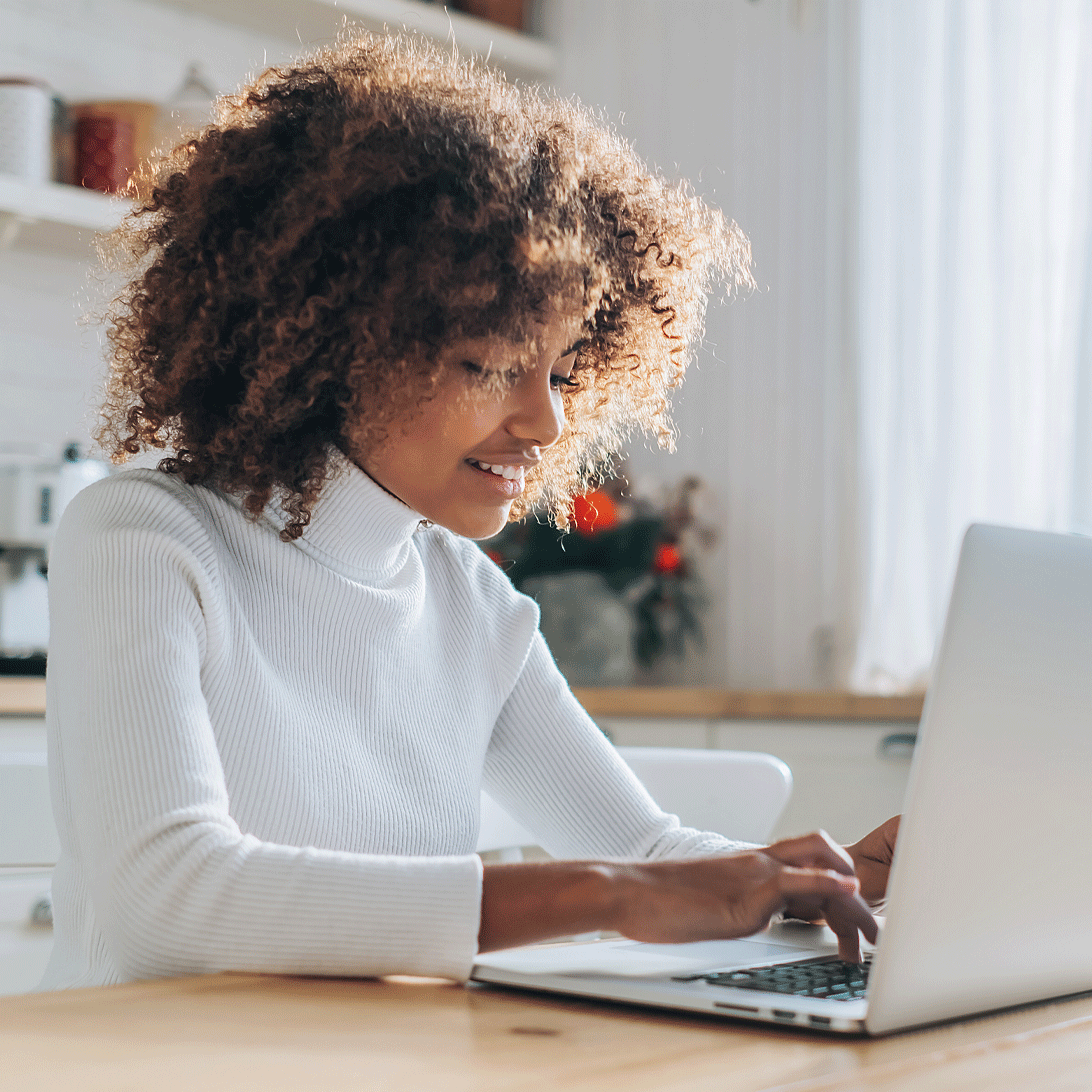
(35, 486)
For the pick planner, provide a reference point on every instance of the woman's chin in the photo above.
(476, 523)
(487, 528)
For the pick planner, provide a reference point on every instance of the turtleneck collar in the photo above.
(357, 527)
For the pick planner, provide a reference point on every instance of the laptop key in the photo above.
(824, 977)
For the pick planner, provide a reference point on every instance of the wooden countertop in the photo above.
(713, 704)
(240, 1032)
(22, 696)
(26, 696)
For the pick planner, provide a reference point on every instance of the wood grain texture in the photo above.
(671, 701)
(238, 1032)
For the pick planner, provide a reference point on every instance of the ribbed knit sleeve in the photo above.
(551, 767)
(148, 839)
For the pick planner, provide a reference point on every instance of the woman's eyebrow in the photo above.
(575, 347)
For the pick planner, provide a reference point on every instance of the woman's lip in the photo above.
(506, 487)
(520, 461)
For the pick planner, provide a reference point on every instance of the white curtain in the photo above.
(975, 274)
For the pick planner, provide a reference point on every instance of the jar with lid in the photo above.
(26, 128)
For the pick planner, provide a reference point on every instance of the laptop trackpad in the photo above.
(634, 960)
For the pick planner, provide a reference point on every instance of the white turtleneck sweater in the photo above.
(267, 756)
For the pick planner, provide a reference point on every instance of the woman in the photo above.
(386, 304)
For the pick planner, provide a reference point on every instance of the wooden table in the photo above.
(240, 1032)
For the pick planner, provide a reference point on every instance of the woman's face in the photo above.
(459, 458)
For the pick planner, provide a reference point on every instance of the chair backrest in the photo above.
(498, 830)
(740, 794)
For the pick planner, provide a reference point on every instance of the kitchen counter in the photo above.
(239, 1032)
(26, 697)
(714, 704)
(22, 696)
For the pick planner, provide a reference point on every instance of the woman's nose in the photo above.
(537, 415)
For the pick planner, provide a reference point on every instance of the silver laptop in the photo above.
(990, 896)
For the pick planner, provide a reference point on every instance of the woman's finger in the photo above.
(815, 850)
(878, 845)
(836, 898)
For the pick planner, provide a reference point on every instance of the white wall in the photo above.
(50, 367)
(752, 100)
(748, 99)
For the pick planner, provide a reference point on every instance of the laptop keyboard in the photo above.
(822, 977)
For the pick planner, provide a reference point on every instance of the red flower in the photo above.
(594, 512)
(667, 559)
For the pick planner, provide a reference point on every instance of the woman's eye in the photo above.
(473, 368)
(566, 382)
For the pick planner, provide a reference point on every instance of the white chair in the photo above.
(740, 794)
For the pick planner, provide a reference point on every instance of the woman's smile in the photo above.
(505, 481)
(461, 458)
(509, 473)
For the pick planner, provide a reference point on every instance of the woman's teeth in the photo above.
(509, 472)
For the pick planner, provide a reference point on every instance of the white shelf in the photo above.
(312, 22)
(50, 216)
(72, 206)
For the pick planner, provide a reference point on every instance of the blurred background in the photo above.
(915, 177)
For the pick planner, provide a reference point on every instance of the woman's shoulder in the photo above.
(138, 503)
(130, 497)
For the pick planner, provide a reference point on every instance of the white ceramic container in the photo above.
(26, 129)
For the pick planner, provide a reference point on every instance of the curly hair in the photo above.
(295, 269)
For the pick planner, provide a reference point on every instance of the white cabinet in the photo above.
(848, 776)
(657, 731)
(28, 850)
(25, 943)
(28, 837)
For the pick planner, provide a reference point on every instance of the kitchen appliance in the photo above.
(35, 486)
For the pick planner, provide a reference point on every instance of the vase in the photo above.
(588, 627)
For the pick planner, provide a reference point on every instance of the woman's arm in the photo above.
(677, 901)
(555, 771)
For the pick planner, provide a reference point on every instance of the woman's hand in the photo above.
(703, 898)
(736, 895)
(871, 858)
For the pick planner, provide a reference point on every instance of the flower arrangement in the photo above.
(644, 554)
